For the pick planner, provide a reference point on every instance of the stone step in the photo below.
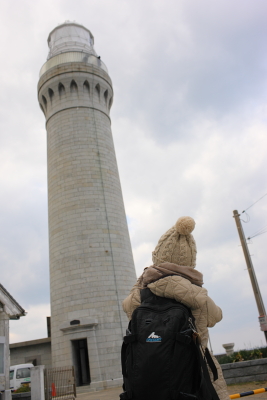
(85, 389)
(98, 386)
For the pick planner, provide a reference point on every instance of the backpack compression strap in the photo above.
(126, 340)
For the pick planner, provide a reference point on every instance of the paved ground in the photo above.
(246, 387)
(109, 394)
(113, 394)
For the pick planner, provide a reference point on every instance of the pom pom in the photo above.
(185, 225)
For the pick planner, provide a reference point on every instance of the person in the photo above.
(173, 275)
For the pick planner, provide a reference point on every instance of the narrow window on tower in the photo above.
(42, 108)
(61, 89)
(106, 97)
(51, 94)
(97, 90)
(110, 103)
(73, 87)
(86, 87)
(44, 102)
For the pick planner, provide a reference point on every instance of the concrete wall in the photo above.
(25, 352)
(37, 383)
(245, 371)
(21, 396)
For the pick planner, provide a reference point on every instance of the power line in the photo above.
(254, 203)
(258, 232)
(248, 217)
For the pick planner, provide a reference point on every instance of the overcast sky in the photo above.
(189, 125)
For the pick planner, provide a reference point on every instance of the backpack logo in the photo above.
(153, 338)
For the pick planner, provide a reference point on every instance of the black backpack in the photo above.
(160, 357)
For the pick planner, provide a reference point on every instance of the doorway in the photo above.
(81, 362)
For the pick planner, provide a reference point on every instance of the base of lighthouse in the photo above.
(87, 356)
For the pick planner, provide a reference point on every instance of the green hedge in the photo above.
(23, 389)
(244, 355)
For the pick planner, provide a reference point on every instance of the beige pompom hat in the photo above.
(177, 245)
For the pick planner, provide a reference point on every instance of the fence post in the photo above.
(37, 383)
(6, 395)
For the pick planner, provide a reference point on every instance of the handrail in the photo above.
(73, 56)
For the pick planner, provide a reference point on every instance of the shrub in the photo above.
(23, 389)
(244, 355)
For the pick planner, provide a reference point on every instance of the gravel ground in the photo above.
(113, 394)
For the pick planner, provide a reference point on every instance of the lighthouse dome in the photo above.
(70, 36)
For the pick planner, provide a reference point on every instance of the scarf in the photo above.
(156, 272)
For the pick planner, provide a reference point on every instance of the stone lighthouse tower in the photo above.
(91, 263)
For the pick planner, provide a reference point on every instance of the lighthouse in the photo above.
(90, 256)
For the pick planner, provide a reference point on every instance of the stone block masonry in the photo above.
(91, 264)
(38, 351)
(245, 371)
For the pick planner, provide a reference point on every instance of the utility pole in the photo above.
(255, 286)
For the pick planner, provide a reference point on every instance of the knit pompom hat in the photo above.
(177, 245)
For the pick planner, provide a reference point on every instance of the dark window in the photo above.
(97, 90)
(42, 108)
(110, 103)
(51, 94)
(23, 373)
(106, 97)
(86, 87)
(61, 89)
(73, 87)
(44, 102)
(75, 322)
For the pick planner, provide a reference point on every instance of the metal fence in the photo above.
(59, 383)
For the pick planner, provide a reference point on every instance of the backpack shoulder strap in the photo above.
(145, 294)
(205, 373)
(149, 297)
(211, 364)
